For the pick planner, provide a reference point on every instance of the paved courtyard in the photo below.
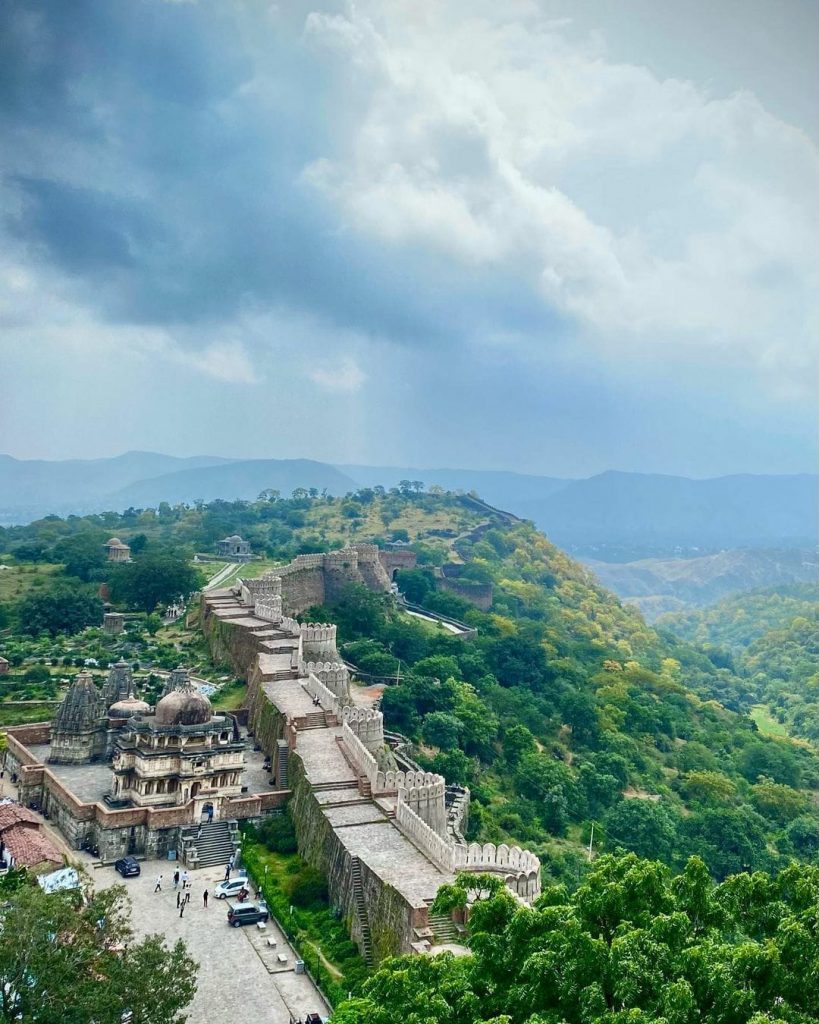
(234, 984)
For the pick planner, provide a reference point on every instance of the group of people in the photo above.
(183, 894)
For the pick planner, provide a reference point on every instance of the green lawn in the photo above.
(17, 580)
(767, 724)
(230, 697)
(320, 937)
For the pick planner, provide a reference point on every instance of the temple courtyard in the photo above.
(239, 976)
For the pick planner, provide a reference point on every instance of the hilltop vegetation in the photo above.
(770, 637)
(632, 945)
(565, 711)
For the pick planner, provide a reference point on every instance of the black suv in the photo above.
(128, 867)
(247, 913)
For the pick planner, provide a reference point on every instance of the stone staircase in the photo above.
(361, 914)
(208, 845)
(282, 751)
(312, 720)
(444, 929)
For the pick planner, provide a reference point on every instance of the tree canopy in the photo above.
(633, 944)
(66, 958)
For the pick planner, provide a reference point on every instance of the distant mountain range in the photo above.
(659, 585)
(612, 517)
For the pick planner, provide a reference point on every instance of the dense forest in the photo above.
(564, 714)
(772, 640)
(633, 944)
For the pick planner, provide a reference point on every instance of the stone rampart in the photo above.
(427, 800)
(368, 726)
(398, 559)
(268, 607)
(328, 700)
(438, 849)
(333, 674)
(363, 760)
(479, 594)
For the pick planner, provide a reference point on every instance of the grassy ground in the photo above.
(320, 937)
(17, 580)
(230, 697)
(766, 723)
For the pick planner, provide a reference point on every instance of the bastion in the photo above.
(386, 834)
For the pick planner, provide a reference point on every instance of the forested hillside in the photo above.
(565, 712)
(772, 639)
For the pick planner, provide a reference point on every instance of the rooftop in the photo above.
(29, 846)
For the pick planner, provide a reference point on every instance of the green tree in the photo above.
(82, 555)
(646, 827)
(65, 959)
(157, 577)
(60, 609)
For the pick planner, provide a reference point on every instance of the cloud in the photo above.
(477, 140)
(316, 195)
(343, 377)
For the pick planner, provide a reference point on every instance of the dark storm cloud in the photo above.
(200, 211)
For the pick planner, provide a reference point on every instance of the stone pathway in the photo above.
(235, 984)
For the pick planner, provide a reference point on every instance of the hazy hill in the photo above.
(30, 488)
(498, 487)
(234, 480)
(654, 514)
(612, 517)
(659, 585)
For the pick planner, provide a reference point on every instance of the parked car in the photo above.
(230, 887)
(246, 913)
(128, 867)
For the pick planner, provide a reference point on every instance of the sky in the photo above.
(552, 236)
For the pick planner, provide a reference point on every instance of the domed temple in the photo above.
(180, 752)
(119, 776)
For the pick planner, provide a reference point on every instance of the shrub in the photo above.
(307, 889)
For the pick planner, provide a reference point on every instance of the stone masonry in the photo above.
(383, 836)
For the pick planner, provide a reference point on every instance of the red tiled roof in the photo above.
(16, 814)
(28, 847)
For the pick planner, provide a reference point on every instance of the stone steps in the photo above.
(361, 914)
(213, 843)
(443, 928)
(323, 787)
(281, 764)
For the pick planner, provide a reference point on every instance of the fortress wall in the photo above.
(333, 674)
(392, 560)
(479, 594)
(329, 702)
(371, 569)
(303, 587)
(391, 917)
(367, 725)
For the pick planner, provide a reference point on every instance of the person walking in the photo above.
(205, 898)
(181, 908)
(158, 886)
(176, 878)
(227, 871)
(178, 898)
(188, 895)
(185, 879)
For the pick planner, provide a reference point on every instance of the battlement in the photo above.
(268, 607)
(317, 632)
(367, 725)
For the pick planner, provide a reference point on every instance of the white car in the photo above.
(231, 887)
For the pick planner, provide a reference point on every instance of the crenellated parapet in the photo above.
(367, 725)
(318, 641)
(425, 794)
(269, 607)
(334, 675)
(520, 868)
